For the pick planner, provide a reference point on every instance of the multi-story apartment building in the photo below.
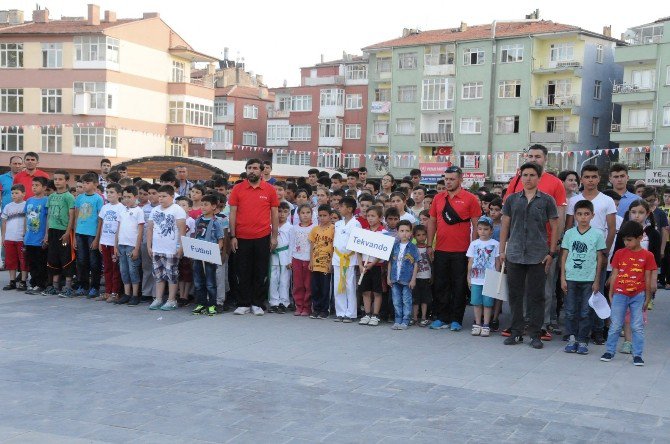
(322, 122)
(643, 133)
(477, 96)
(80, 88)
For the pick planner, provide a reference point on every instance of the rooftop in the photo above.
(68, 26)
(245, 92)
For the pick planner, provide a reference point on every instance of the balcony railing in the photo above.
(555, 137)
(327, 80)
(278, 113)
(615, 128)
(626, 88)
(618, 128)
(437, 137)
(207, 81)
(379, 138)
(556, 101)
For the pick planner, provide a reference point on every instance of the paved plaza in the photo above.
(76, 371)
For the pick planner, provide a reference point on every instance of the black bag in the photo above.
(450, 215)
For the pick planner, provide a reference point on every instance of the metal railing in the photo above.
(437, 137)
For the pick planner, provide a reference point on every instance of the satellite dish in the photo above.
(630, 34)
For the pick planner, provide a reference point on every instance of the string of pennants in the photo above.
(75, 125)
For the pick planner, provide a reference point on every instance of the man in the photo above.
(552, 186)
(105, 167)
(363, 174)
(123, 171)
(267, 172)
(453, 215)
(25, 177)
(183, 184)
(528, 254)
(254, 224)
(415, 175)
(7, 179)
(619, 180)
(312, 177)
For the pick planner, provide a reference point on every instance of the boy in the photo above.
(418, 195)
(87, 205)
(108, 225)
(633, 274)
(321, 240)
(60, 255)
(401, 276)
(581, 264)
(365, 202)
(196, 194)
(208, 228)
(36, 227)
(280, 268)
(391, 217)
(13, 230)
(128, 246)
(185, 263)
(371, 283)
(483, 253)
(495, 213)
(399, 201)
(344, 264)
(167, 224)
(422, 295)
(151, 191)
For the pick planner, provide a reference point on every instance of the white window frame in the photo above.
(249, 138)
(96, 49)
(221, 107)
(354, 101)
(666, 115)
(332, 97)
(562, 52)
(94, 138)
(639, 122)
(469, 160)
(509, 164)
(403, 159)
(445, 126)
(52, 101)
(645, 78)
(52, 139)
(600, 53)
(438, 55)
(328, 157)
(10, 134)
(290, 157)
(52, 55)
(301, 103)
(351, 161)
(178, 72)
(598, 90)
(667, 75)
(277, 132)
(380, 127)
(509, 89)
(407, 94)
(176, 148)
(665, 156)
(383, 95)
(199, 115)
(356, 72)
(478, 54)
(300, 133)
(560, 123)
(331, 127)
(352, 131)
(437, 94)
(472, 91)
(405, 127)
(511, 53)
(100, 100)
(595, 126)
(507, 124)
(384, 64)
(250, 112)
(11, 96)
(11, 55)
(470, 125)
(408, 60)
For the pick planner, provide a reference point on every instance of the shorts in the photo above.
(477, 298)
(60, 258)
(372, 280)
(14, 257)
(422, 293)
(166, 268)
(185, 270)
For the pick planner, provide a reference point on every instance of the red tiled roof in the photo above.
(477, 32)
(63, 27)
(243, 92)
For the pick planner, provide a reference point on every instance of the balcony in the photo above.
(277, 142)
(202, 88)
(639, 165)
(189, 131)
(229, 117)
(555, 102)
(383, 75)
(327, 80)
(553, 67)
(330, 141)
(327, 111)
(439, 70)
(380, 107)
(437, 138)
(379, 139)
(219, 146)
(634, 55)
(278, 113)
(555, 137)
(630, 93)
(619, 133)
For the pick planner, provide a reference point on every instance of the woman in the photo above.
(570, 181)
(388, 184)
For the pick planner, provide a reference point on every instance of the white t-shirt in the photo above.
(284, 239)
(424, 264)
(15, 215)
(483, 254)
(408, 216)
(165, 236)
(619, 221)
(131, 219)
(342, 232)
(401, 256)
(110, 215)
(190, 226)
(300, 247)
(602, 206)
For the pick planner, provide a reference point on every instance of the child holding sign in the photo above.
(208, 228)
(371, 269)
(344, 263)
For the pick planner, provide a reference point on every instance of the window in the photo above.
(407, 60)
(301, 103)
(94, 138)
(507, 163)
(595, 126)
(562, 52)
(96, 48)
(640, 118)
(384, 64)
(221, 108)
(599, 53)
(407, 94)
(332, 97)
(643, 79)
(404, 159)
(351, 161)
(354, 101)
(473, 56)
(198, 115)
(11, 100)
(558, 91)
(357, 72)
(666, 116)
(380, 128)
(667, 75)
(438, 94)
(471, 125)
(249, 138)
(11, 138)
(597, 90)
(99, 100)
(52, 139)
(404, 127)
(468, 160)
(511, 53)
(665, 156)
(176, 112)
(507, 125)
(223, 135)
(330, 128)
(277, 132)
(557, 124)
(283, 103)
(287, 157)
(301, 133)
(438, 55)
(178, 72)
(11, 55)
(52, 55)
(352, 131)
(250, 112)
(176, 149)
(509, 89)
(383, 95)
(52, 100)
(328, 158)
(445, 126)
(473, 90)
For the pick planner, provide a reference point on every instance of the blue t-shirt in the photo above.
(583, 249)
(36, 221)
(87, 220)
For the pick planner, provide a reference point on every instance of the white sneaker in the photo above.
(365, 320)
(242, 310)
(258, 311)
(476, 330)
(374, 321)
(156, 304)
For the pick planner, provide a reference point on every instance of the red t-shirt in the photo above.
(363, 221)
(26, 180)
(455, 238)
(253, 219)
(632, 266)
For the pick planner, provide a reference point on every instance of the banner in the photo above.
(201, 250)
(371, 243)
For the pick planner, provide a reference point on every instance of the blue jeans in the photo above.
(577, 310)
(204, 282)
(130, 268)
(402, 303)
(88, 261)
(620, 303)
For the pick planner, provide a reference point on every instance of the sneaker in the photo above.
(374, 321)
(156, 304)
(297, 313)
(92, 294)
(281, 309)
(305, 314)
(323, 315)
(536, 343)
(395, 326)
(583, 349)
(135, 300)
(258, 311)
(113, 297)
(169, 306)
(598, 339)
(506, 332)
(495, 325)
(102, 297)
(554, 329)
(10, 286)
(650, 306)
(242, 310)
(81, 291)
(572, 345)
(403, 327)
(455, 326)
(35, 290)
(637, 361)
(513, 340)
(67, 293)
(50, 291)
(476, 330)
(314, 315)
(424, 323)
(211, 310)
(627, 347)
(21, 286)
(438, 325)
(347, 320)
(606, 357)
(486, 332)
(123, 300)
(545, 335)
(199, 309)
(272, 309)
(337, 319)
(365, 320)
(181, 302)
(291, 306)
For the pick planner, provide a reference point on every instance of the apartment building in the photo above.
(322, 122)
(643, 132)
(81, 88)
(478, 96)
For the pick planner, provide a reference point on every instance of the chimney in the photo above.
(405, 32)
(607, 31)
(211, 69)
(93, 14)
(110, 16)
(225, 53)
(237, 75)
(15, 17)
(259, 79)
(41, 16)
(321, 58)
(148, 15)
(464, 27)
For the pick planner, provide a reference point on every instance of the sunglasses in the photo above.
(453, 169)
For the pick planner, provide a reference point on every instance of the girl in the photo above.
(371, 282)
(301, 198)
(388, 184)
(398, 200)
(300, 256)
(570, 181)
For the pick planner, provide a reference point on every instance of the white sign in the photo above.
(657, 178)
(371, 243)
(495, 284)
(201, 250)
